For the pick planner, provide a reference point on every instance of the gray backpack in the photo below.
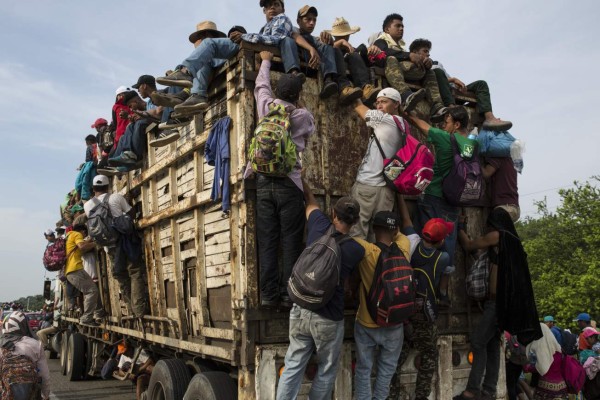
(100, 224)
(317, 272)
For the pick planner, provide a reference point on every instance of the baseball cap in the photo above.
(289, 87)
(347, 209)
(386, 219)
(122, 89)
(307, 9)
(390, 93)
(144, 79)
(265, 3)
(99, 122)
(61, 228)
(583, 317)
(49, 232)
(548, 318)
(587, 332)
(436, 229)
(100, 180)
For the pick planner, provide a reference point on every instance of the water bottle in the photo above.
(473, 134)
(517, 148)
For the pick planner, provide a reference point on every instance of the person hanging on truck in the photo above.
(349, 58)
(75, 247)
(368, 335)
(125, 255)
(333, 81)
(23, 365)
(120, 113)
(91, 149)
(322, 330)
(422, 48)
(402, 66)
(279, 216)
(370, 189)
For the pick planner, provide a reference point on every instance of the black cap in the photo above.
(347, 209)
(147, 79)
(128, 96)
(263, 3)
(236, 28)
(386, 219)
(289, 87)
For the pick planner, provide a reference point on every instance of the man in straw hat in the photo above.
(347, 57)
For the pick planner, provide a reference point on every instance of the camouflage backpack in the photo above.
(272, 150)
(18, 377)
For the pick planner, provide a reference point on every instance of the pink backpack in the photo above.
(410, 170)
(55, 255)
(573, 373)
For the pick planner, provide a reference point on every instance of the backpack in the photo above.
(391, 298)
(410, 170)
(494, 144)
(427, 277)
(463, 186)
(569, 342)
(516, 353)
(272, 150)
(573, 373)
(55, 255)
(107, 140)
(19, 379)
(100, 224)
(478, 278)
(317, 271)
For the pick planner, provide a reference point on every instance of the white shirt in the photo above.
(141, 359)
(116, 203)
(388, 134)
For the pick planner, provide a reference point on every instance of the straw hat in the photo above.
(205, 26)
(341, 27)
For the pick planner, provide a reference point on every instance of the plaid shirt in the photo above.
(273, 32)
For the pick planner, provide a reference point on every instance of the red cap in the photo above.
(99, 122)
(436, 230)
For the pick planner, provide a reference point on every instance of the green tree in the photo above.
(564, 254)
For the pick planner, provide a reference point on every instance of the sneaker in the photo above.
(169, 99)
(370, 93)
(177, 78)
(439, 115)
(300, 75)
(194, 103)
(90, 322)
(269, 304)
(128, 158)
(497, 125)
(349, 94)
(108, 171)
(164, 138)
(174, 123)
(414, 99)
(329, 88)
(285, 302)
(100, 314)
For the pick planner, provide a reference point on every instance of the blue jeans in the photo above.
(326, 53)
(134, 139)
(485, 345)
(428, 207)
(310, 331)
(389, 340)
(211, 54)
(289, 54)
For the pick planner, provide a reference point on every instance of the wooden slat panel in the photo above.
(218, 238)
(216, 227)
(218, 270)
(216, 259)
(217, 248)
(217, 282)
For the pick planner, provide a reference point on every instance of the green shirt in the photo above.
(444, 156)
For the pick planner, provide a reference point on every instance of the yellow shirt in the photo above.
(74, 261)
(366, 269)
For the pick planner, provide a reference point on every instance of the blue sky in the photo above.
(60, 63)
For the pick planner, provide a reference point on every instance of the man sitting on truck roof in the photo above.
(422, 48)
(401, 66)
(321, 330)
(332, 80)
(279, 206)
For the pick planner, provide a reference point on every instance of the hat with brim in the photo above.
(205, 26)
(341, 27)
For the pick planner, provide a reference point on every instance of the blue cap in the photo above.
(548, 318)
(583, 317)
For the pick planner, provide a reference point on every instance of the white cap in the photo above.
(391, 94)
(122, 89)
(100, 180)
(49, 232)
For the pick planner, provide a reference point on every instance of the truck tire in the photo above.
(55, 342)
(89, 357)
(76, 357)
(212, 385)
(169, 380)
(64, 352)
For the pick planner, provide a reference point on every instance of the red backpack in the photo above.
(410, 170)
(55, 255)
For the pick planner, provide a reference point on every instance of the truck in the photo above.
(206, 328)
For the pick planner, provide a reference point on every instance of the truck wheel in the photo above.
(76, 357)
(170, 377)
(55, 342)
(212, 385)
(64, 352)
(89, 357)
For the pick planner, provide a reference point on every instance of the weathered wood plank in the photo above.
(216, 227)
(217, 282)
(216, 259)
(218, 270)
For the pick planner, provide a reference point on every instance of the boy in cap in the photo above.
(583, 321)
(279, 200)
(321, 331)
(367, 334)
(556, 331)
(120, 114)
(50, 236)
(431, 273)
(332, 80)
(91, 149)
(370, 189)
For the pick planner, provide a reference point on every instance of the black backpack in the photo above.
(391, 299)
(100, 223)
(317, 271)
(463, 186)
(569, 342)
